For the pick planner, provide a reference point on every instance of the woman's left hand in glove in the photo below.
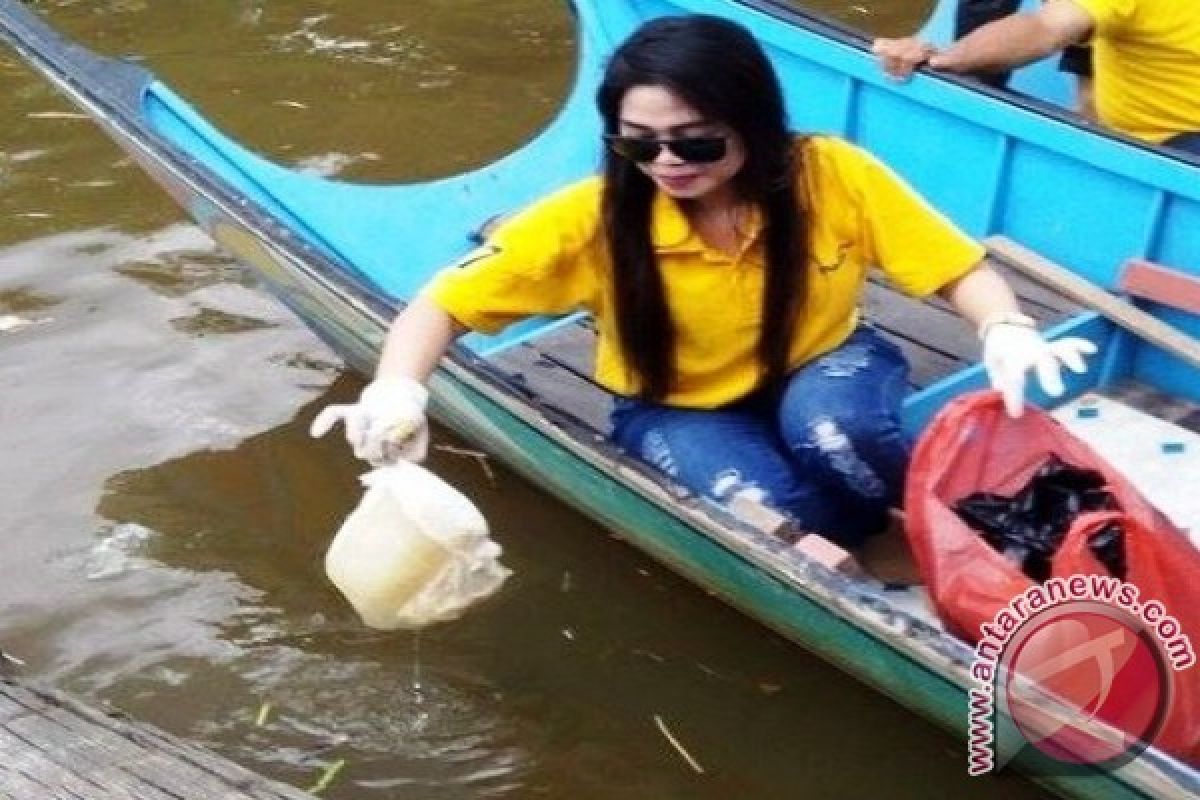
(1012, 346)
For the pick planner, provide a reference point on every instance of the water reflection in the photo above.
(105, 381)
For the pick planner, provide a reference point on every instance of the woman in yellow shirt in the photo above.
(723, 260)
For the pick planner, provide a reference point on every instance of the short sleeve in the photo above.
(1107, 15)
(541, 261)
(918, 249)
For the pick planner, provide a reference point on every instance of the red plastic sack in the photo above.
(972, 446)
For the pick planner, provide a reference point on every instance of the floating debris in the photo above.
(291, 104)
(96, 184)
(327, 777)
(56, 115)
(264, 711)
(568, 634)
(679, 748)
(26, 155)
(475, 454)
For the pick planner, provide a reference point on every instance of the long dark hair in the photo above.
(717, 68)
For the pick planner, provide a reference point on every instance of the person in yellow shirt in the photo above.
(1076, 59)
(1146, 56)
(723, 260)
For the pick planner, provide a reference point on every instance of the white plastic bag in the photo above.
(415, 551)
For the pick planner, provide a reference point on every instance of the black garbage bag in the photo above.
(1029, 527)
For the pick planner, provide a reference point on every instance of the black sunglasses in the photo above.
(693, 149)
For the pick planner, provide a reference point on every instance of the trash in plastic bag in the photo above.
(1028, 526)
(972, 446)
(413, 552)
(1107, 545)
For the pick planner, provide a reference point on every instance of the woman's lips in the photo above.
(677, 181)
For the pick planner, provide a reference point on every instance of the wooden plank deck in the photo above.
(55, 747)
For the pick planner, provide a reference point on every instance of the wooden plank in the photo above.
(551, 384)
(93, 754)
(1044, 304)
(1133, 319)
(1165, 285)
(940, 331)
(54, 746)
(25, 771)
(573, 346)
(925, 364)
(10, 708)
(934, 338)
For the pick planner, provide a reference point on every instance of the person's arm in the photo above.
(388, 422)
(1013, 41)
(416, 341)
(981, 295)
(972, 14)
(922, 252)
(1012, 346)
(530, 265)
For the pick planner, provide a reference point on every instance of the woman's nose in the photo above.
(667, 156)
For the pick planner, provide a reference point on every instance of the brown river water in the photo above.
(165, 514)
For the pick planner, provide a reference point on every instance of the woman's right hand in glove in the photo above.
(387, 423)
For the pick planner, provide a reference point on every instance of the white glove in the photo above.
(1010, 349)
(387, 423)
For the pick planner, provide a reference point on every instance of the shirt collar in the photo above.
(671, 231)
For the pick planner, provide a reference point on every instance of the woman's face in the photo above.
(652, 112)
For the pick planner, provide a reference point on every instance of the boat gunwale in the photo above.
(836, 30)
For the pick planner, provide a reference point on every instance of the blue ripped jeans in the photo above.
(827, 450)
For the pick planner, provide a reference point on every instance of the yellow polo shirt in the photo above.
(551, 259)
(1147, 64)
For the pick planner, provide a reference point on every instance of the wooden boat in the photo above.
(328, 249)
